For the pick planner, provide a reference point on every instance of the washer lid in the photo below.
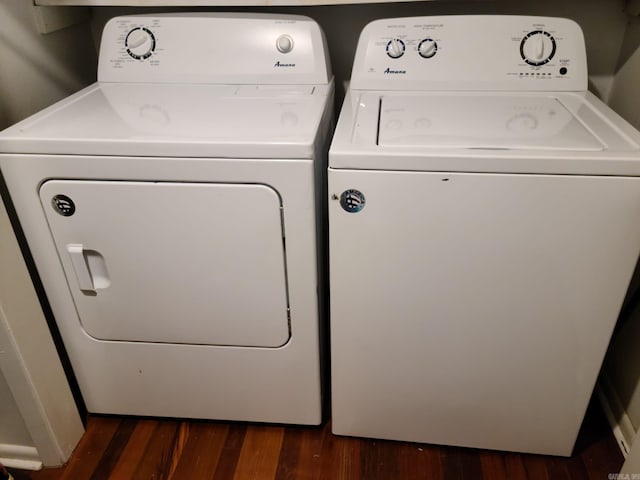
(236, 121)
(482, 122)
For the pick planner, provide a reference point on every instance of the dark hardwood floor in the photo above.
(142, 448)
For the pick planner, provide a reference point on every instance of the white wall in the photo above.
(36, 69)
(13, 430)
(631, 466)
(30, 367)
(625, 94)
(36, 406)
(622, 365)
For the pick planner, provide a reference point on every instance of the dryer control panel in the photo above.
(471, 52)
(214, 48)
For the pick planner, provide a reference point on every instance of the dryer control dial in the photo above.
(427, 48)
(140, 43)
(395, 48)
(537, 47)
(284, 43)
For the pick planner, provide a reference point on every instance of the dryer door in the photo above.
(191, 263)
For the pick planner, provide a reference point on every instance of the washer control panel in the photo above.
(471, 52)
(213, 48)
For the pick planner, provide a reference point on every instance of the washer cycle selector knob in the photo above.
(140, 43)
(395, 48)
(427, 48)
(537, 47)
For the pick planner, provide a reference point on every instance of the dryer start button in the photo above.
(284, 43)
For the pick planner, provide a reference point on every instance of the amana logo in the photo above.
(352, 200)
(278, 64)
(395, 72)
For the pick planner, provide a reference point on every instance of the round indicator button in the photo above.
(284, 43)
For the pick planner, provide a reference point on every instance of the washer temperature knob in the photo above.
(537, 47)
(140, 43)
(395, 48)
(427, 48)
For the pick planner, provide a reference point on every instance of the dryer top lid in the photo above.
(235, 121)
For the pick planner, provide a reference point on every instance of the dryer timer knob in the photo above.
(140, 43)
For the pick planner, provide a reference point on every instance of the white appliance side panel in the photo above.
(173, 262)
(475, 309)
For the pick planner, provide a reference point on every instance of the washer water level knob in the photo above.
(427, 48)
(284, 43)
(140, 43)
(537, 47)
(395, 48)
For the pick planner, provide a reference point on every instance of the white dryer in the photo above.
(484, 217)
(171, 212)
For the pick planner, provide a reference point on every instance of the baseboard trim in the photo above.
(616, 414)
(20, 456)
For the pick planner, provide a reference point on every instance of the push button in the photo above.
(284, 44)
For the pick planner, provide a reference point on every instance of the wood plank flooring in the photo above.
(143, 448)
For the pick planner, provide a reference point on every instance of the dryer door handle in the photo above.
(80, 267)
(90, 268)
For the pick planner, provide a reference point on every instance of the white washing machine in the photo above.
(171, 212)
(484, 218)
